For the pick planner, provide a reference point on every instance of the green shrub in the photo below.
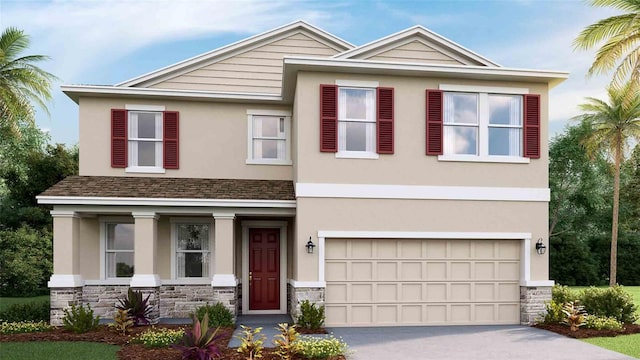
(162, 337)
(23, 327)
(322, 347)
(80, 320)
(25, 262)
(612, 302)
(563, 294)
(252, 342)
(218, 314)
(602, 323)
(554, 313)
(311, 316)
(29, 311)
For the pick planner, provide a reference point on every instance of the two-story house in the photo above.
(401, 182)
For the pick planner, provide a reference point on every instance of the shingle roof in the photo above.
(173, 188)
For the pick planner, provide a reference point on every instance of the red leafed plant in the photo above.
(199, 342)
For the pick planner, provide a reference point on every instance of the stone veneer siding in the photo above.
(103, 298)
(532, 303)
(298, 295)
(228, 296)
(61, 299)
(178, 301)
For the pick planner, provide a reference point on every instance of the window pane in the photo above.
(120, 264)
(146, 153)
(357, 103)
(147, 125)
(461, 140)
(193, 236)
(505, 141)
(460, 108)
(505, 109)
(192, 265)
(268, 149)
(356, 136)
(119, 236)
(266, 126)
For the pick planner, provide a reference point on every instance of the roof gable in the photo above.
(417, 45)
(228, 51)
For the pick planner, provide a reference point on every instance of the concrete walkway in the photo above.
(268, 323)
(468, 343)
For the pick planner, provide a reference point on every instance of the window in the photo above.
(268, 141)
(145, 139)
(356, 121)
(482, 124)
(119, 250)
(192, 250)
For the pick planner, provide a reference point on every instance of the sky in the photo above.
(107, 42)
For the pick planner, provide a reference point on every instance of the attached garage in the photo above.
(394, 282)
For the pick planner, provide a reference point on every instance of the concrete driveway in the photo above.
(468, 342)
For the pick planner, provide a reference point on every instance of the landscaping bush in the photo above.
(311, 316)
(136, 306)
(287, 344)
(251, 342)
(322, 347)
(25, 261)
(554, 313)
(80, 320)
(602, 323)
(574, 315)
(563, 294)
(612, 302)
(198, 343)
(23, 327)
(29, 311)
(162, 337)
(122, 322)
(218, 314)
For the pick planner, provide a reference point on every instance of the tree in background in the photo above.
(613, 124)
(22, 83)
(621, 37)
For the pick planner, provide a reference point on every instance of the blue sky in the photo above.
(106, 42)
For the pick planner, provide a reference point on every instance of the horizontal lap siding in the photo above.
(258, 70)
(415, 51)
(422, 282)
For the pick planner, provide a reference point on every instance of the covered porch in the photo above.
(183, 242)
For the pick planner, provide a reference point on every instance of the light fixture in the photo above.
(310, 245)
(540, 247)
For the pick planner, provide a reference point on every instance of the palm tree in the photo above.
(614, 124)
(21, 82)
(621, 37)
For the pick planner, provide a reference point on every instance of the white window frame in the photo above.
(104, 222)
(483, 93)
(342, 153)
(287, 137)
(174, 250)
(132, 149)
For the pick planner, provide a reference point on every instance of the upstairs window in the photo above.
(356, 121)
(145, 139)
(268, 140)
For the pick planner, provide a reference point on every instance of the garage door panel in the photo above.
(416, 282)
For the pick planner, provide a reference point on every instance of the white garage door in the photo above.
(378, 282)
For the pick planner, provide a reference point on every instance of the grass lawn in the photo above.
(5, 302)
(628, 344)
(45, 350)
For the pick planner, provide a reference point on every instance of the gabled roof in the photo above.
(416, 32)
(238, 47)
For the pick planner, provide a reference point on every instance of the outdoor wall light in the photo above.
(540, 247)
(310, 245)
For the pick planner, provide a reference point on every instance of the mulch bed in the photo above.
(138, 351)
(583, 333)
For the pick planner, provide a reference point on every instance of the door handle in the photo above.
(250, 277)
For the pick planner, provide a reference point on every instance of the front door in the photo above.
(264, 269)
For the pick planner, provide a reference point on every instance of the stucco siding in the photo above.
(257, 71)
(213, 140)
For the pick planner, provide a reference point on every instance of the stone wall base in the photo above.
(62, 299)
(532, 303)
(300, 294)
(104, 298)
(228, 296)
(180, 301)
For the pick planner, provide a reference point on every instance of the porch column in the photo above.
(224, 279)
(66, 282)
(145, 275)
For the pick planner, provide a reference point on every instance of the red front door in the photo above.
(264, 269)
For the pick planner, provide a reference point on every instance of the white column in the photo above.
(145, 250)
(66, 250)
(224, 251)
